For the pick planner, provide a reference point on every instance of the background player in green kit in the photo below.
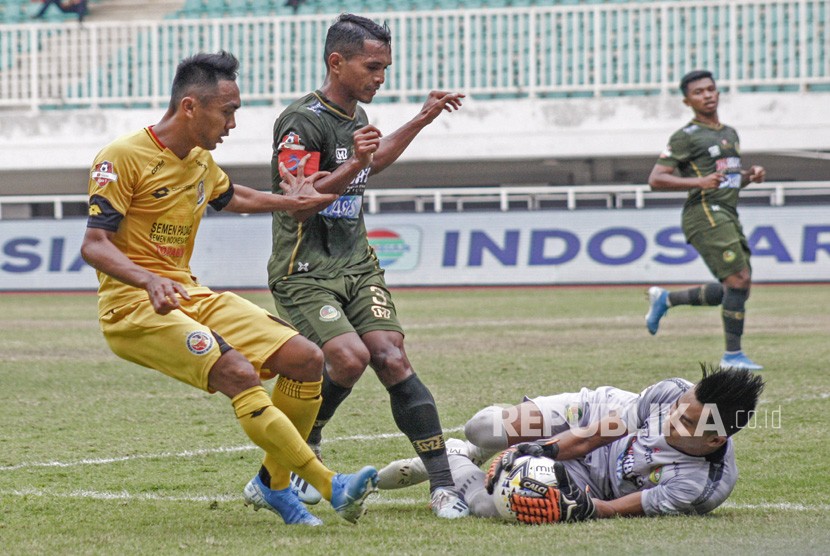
(707, 155)
(323, 274)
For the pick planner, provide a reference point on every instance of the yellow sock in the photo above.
(299, 401)
(270, 429)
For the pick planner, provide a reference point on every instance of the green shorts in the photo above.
(723, 248)
(324, 308)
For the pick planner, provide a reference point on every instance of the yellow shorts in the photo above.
(187, 342)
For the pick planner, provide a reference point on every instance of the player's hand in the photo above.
(164, 294)
(366, 144)
(505, 460)
(439, 101)
(712, 181)
(300, 188)
(501, 462)
(757, 174)
(565, 502)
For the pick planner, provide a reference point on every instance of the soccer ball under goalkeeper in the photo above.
(539, 469)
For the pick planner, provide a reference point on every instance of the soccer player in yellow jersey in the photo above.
(148, 192)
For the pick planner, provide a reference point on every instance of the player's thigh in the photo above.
(314, 307)
(173, 344)
(723, 248)
(370, 306)
(559, 412)
(244, 325)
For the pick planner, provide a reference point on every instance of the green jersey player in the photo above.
(323, 274)
(706, 154)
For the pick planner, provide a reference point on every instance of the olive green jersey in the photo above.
(698, 150)
(332, 242)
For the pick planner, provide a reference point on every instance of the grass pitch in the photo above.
(99, 456)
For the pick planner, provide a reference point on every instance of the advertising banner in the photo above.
(789, 244)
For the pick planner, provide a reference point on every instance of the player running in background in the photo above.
(707, 155)
(148, 192)
(323, 274)
(667, 450)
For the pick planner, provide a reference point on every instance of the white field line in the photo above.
(231, 449)
(190, 453)
(374, 500)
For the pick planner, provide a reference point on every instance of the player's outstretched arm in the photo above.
(100, 252)
(299, 194)
(630, 505)
(393, 145)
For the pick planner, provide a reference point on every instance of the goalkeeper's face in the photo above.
(694, 428)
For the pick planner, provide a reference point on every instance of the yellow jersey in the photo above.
(153, 201)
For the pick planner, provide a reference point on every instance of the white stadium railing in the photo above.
(506, 197)
(565, 50)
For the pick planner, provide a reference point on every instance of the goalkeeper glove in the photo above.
(564, 502)
(505, 460)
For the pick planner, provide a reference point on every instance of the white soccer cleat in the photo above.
(304, 491)
(447, 503)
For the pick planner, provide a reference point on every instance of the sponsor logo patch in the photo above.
(103, 173)
(655, 475)
(199, 342)
(329, 313)
(729, 256)
(200, 193)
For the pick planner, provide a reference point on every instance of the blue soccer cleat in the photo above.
(657, 307)
(737, 360)
(282, 502)
(349, 491)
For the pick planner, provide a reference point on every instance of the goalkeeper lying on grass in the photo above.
(665, 451)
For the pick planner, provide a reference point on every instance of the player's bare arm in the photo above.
(393, 145)
(662, 178)
(630, 505)
(100, 252)
(755, 174)
(579, 441)
(299, 194)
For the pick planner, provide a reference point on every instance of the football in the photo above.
(537, 468)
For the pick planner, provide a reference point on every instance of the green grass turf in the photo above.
(98, 455)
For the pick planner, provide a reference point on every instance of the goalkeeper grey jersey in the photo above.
(671, 482)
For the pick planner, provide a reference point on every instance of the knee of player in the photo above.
(390, 360)
(233, 371)
(348, 362)
(486, 429)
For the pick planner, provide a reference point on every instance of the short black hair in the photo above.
(202, 71)
(734, 392)
(348, 33)
(694, 75)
